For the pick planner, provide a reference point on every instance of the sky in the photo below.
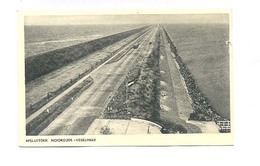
(126, 19)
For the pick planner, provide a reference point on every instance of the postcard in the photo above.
(125, 78)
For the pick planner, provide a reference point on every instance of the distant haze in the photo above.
(127, 19)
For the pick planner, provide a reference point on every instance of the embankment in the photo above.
(41, 64)
(174, 99)
(203, 110)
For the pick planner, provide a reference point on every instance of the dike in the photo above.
(203, 110)
(44, 63)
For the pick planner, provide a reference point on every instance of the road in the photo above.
(49, 104)
(107, 78)
(38, 88)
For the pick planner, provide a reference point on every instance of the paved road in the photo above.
(38, 88)
(107, 78)
(45, 107)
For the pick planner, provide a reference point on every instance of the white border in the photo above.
(114, 140)
(245, 151)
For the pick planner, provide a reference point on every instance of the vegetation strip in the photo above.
(138, 96)
(203, 111)
(44, 119)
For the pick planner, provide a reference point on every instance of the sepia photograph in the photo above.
(143, 78)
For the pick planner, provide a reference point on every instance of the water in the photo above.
(39, 39)
(203, 48)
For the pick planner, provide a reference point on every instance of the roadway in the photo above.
(66, 70)
(38, 88)
(107, 78)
